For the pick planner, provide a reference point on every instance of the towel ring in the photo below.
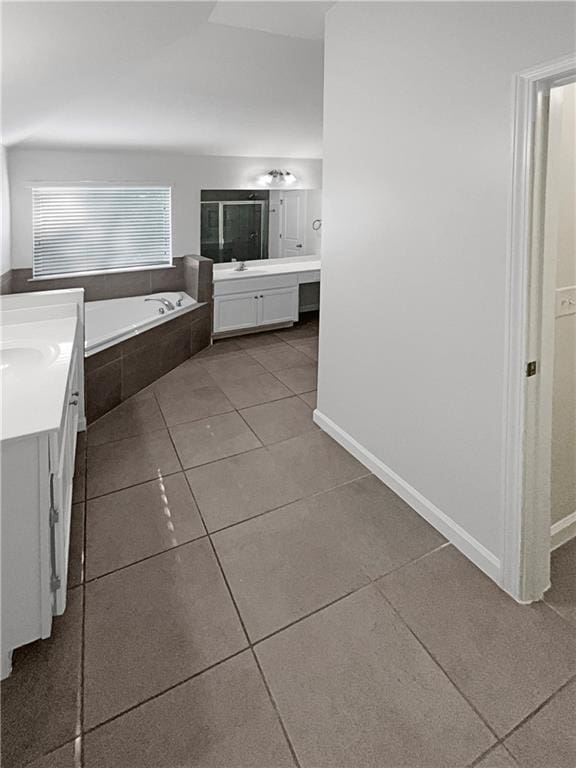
(316, 224)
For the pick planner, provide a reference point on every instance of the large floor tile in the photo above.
(123, 463)
(549, 737)
(137, 522)
(255, 390)
(279, 420)
(498, 757)
(154, 624)
(309, 346)
(67, 756)
(562, 594)
(507, 658)
(76, 549)
(354, 688)
(278, 356)
(311, 398)
(219, 347)
(221, 719)
(217, 437)
(240, 487)
(192, 372)
(138, 414)
(292, 561)
(181, 403)
(303, 378)
(255, 340)
(316, 462)
(233, 367)
(41, 699)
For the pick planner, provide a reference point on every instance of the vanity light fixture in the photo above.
(279, 177)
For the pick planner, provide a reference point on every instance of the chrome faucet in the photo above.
(180, 299)
(241, 266)
(167, 304)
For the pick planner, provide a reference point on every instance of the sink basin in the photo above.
(26, 356)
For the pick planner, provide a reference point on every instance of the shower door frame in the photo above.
(222, 203)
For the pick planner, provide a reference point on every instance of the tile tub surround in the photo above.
(275, 606)
(189, 273)
(124, 369)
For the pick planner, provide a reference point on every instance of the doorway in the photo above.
(541, 366)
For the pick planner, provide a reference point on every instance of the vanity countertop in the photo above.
(35, 357)
(267, 267)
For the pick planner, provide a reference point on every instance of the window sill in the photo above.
(74, 275)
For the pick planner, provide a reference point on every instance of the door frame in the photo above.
(529, 337)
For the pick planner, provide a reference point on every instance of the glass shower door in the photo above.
(242, 230)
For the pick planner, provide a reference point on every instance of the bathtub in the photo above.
(115, 320)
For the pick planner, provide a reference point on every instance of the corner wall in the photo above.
(417, 178)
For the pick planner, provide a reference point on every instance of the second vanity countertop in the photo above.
(35, 358)
(266, 267)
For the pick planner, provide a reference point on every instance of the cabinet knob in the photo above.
(261, 296)
(255, 297)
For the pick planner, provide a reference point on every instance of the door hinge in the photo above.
(55, 583)
(531, 368)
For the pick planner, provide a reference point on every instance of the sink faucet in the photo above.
(241, 266)
(167, 304)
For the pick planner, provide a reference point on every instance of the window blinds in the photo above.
(100, 229)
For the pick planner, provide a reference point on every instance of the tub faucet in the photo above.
(167, 304)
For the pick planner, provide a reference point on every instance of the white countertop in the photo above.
(35, 359)
(264, 267)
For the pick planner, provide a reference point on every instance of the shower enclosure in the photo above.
(234, 225)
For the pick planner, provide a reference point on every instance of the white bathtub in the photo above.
(114, 320)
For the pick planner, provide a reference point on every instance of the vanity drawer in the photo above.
(248, 284)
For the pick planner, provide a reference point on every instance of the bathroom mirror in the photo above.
(249, 224)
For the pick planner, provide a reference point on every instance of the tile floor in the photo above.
(244, 594)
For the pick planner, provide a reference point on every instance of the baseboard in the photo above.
(472, 549)
(563, 531)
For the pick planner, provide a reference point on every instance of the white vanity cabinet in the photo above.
(253, 302)
(37, 471)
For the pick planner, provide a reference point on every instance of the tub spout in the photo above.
(167, 304)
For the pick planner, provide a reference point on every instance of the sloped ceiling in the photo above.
(163, 75)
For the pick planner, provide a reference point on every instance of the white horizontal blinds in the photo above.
(98, 229)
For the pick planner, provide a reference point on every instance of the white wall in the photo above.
(561, 196)
(5, 258)
(187, 174)
(417, 179)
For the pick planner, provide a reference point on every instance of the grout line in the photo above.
(158, 694)
(537, 709)
(145, 559)
(247, 636)
(440, 667)
(83, 593)
(134, 485)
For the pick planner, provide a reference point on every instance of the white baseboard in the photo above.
(472, 549)
(563, 531)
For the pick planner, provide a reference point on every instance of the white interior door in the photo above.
(293, 223)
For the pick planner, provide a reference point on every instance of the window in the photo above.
(79, 230)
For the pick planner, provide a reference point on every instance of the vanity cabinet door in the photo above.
(279, 305)
(235, 312)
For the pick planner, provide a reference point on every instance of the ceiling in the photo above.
(214, 78)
